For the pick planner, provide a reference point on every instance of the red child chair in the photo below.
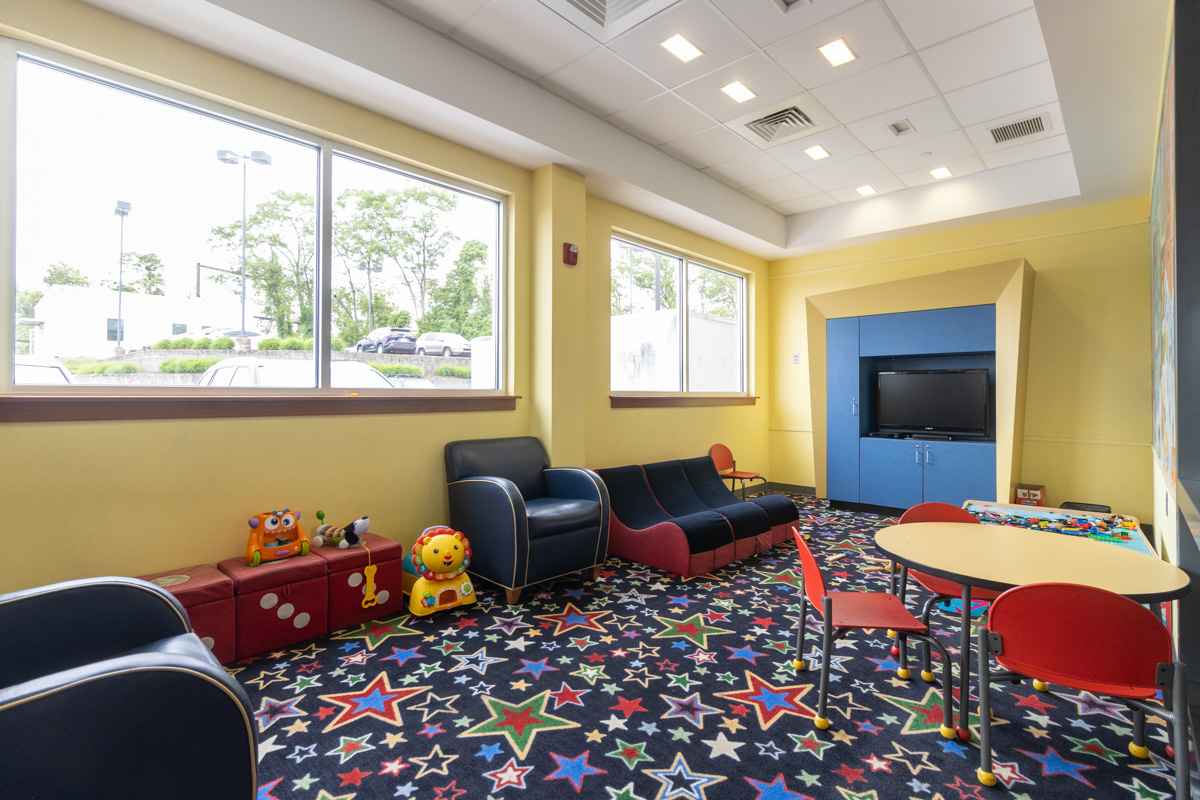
(1094, 641)
(843, 612)
(723, 459)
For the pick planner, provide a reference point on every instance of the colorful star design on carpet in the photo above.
(693, 629)
(775, 790)
(1054, 764)
(573, 617)
(271, 711)
(925, 716)
(479, 661)
(689, 708)
(348, 747)
(511, 774)
(1094, 747)
(1087, 704)
(377, 631)
(809, 743)
(770, 702)
(377, 700)
(679, 781)
(519, 723)
(630, 754)
(573, 769)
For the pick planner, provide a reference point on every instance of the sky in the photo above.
(83, 146)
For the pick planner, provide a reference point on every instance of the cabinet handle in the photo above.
(854, 407)
(927, 461)
(917, 454)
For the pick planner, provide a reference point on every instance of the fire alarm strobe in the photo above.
(570, 254)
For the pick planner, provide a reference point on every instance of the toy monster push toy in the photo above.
(275, 535)
(343, 537)
(440, 556)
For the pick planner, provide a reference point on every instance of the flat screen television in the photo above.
(950, 402)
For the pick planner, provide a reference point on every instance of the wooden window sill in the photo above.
(677, 401)
(77, 408)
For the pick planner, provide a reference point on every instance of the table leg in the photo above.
(964, 668)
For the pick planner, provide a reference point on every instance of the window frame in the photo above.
(83, 402)
(684, 397)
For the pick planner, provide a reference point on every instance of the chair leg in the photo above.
(822, 721)
(985, 774)
(926, 657)
(594, 572)
(1137, 748)
(1179, 703)
(514, 595)
(798, 661)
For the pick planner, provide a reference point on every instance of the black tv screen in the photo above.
(939, 401)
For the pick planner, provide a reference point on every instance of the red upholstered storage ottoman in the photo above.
(278, 603)
(207, 595)
(347, 581)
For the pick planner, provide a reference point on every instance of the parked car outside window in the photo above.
(290, 374)
(446, 344)
(387, 340)
(40, 371)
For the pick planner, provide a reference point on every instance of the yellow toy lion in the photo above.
(440, 556)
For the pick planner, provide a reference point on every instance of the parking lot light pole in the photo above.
(370, 294)
(122, 210)
(230, 157)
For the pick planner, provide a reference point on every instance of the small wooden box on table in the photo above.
(348, 580)
(206, 594)
(278, 603)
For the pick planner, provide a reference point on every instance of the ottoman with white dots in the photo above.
(349, 604)
(279, 603)
(206, 594)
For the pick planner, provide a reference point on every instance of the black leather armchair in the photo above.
(105, 691)
(526, 522)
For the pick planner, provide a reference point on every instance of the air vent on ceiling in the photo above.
(781, 123)
(605, 12)
(1016, 130)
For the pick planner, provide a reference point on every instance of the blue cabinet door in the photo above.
(959, 471)
(967, 329)
(891, 472)
(842, 409)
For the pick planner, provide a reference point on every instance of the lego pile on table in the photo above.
(1113, 528)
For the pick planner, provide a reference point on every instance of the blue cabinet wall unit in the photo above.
(893, 471)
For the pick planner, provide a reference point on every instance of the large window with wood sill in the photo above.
(677, 325)
(166, 244)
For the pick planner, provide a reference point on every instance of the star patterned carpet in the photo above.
(645, 686)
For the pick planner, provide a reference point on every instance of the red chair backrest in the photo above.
(1080, 631)
(814, 582)
(722, 457)
(937, 512)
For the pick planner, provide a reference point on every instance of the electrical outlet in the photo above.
(795, 358)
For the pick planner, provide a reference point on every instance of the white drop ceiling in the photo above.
(541, 81)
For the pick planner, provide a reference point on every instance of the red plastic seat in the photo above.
(844, 612)
(1087, 639)
(723, 459)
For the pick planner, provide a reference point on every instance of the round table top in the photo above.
(999, 557)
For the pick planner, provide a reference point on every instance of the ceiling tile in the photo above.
(749, 170)
(706, 148)
(767, 21)
(524, 36)
(1027, 152)
(838, 142)
(780, 190)
(927, 153)
(927, 22)
(958, 168)
(986, 52)
(721, 42)
(810, 203)
(927, 118)
(756, 72)
(897, 83)
(443, 17)
(852, 173)
(866, 28)
(601, 82)
(661, 119)
(1008, 94)
(881, 185)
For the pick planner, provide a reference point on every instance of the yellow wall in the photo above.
(1087, 413)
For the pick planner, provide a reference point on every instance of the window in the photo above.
(194, 249)
(667, 341)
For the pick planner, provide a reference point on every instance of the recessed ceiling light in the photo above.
(837, 53)
(940, 172)
(816, 152)
(866, 191)
(739, 91)
(681, 48)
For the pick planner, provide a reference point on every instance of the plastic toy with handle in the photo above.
(275, 535)
(440, 556)
(346, 536)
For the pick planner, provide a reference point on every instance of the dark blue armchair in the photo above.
(105, 691)
(526, 521)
